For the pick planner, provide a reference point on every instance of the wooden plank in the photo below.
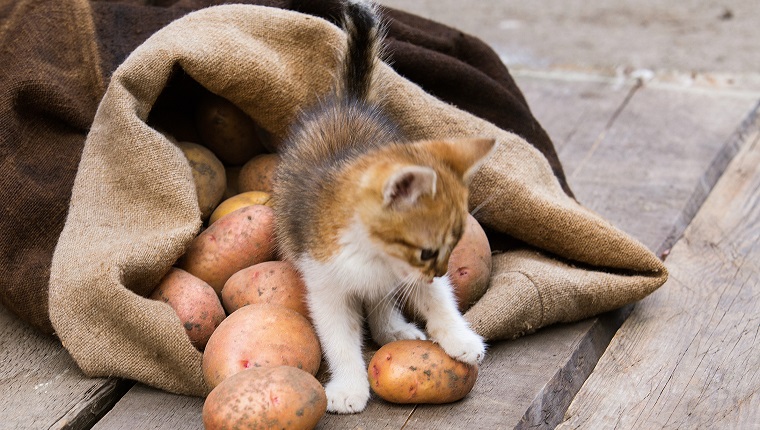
(379, 415)
(714, 171)
(575, 110)
(651, 169)
(145, 407)
(718, 47)
(41, 386)
(689, 355)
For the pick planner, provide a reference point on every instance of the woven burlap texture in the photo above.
(134, 211)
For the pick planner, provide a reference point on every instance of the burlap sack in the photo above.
(133, 208)
(59, 55)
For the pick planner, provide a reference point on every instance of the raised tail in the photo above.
(364, 31)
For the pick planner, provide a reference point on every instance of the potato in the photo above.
(274, 282)
(239, 201)
(470, 265)
(260, 335)
(419, 371)
(226, 130)
(266, 398)
(240, 239)
(258, 173)
(208, 174)
(194, 301)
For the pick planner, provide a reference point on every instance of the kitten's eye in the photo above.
(428, 254)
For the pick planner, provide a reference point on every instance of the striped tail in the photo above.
(362, 25)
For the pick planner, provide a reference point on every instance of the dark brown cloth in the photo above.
(57, 57)
(50, 85)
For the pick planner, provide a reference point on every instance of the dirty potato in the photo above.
(470, 265)
(238, 240)
(258, 173)
(266, 398)
(273, 282)
(419, 371)
(208, 175)
(260, 335)
(194, 301)
(226, 130)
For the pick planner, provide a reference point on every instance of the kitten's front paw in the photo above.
(347, 398)
(463, 345)
(401, 332)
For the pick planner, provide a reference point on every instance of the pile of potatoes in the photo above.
(246, 310)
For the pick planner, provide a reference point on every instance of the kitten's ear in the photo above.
(407, 184)
(464, 156)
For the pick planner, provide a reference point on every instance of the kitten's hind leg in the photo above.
(387, 323)
(445, 325)
(338, 321)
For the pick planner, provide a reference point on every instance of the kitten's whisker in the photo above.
(396, 293)
(412, 289)
(421, 282)
(404, 297)
(418, 293)
(400, 291)
(384, 301)
(404, 290)
(483, 203)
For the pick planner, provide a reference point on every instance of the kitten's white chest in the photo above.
(359, 268)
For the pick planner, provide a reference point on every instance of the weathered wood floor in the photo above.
(644, 156)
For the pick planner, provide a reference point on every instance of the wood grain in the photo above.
(689, 355)
(378, 415)
(576, 112)
(651, 169)
(144, 407)
(41, 386)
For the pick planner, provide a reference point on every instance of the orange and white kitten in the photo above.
(371, 220)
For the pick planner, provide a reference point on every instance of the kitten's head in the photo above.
(413, 201)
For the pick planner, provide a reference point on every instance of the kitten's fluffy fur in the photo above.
(371, 220)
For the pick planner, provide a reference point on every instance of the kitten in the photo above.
(371, 220)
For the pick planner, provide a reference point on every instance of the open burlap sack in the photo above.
(133, 208)
(58, 57)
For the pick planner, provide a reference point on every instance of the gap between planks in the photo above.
(96, 403)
